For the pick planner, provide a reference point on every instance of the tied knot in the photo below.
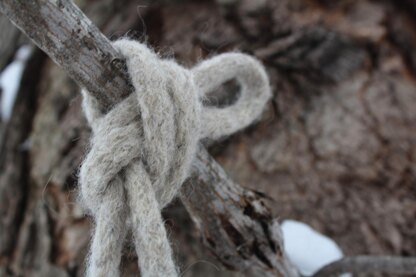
(142, 150)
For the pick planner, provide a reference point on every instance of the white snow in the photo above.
(307, 249)
(10, 80)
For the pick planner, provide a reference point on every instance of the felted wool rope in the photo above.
(142, 149)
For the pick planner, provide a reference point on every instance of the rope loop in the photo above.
(142, 150)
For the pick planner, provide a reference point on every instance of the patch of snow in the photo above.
(24, 52)
(307, 249)
(10, 80)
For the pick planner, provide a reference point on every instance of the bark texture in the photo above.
(336, 148)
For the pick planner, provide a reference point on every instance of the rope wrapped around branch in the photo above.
(142, 150)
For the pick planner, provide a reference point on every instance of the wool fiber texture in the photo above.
(142, 149)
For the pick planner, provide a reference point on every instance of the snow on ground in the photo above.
(307, 249)
(10, 80)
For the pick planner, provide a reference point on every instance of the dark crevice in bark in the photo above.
(232, 232)
(256, 249)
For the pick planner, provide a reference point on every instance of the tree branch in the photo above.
(234, 222)
(369, 264)
(69, 38)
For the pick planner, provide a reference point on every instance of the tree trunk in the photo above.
(336, 148)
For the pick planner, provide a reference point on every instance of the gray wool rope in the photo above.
(142, 150)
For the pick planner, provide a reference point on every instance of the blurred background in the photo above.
(335, 149)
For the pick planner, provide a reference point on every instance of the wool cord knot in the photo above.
(142, 149)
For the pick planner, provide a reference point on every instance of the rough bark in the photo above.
(61, 30)
(335, 150)
(235, 224)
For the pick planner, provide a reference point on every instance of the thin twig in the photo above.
(369, 264)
